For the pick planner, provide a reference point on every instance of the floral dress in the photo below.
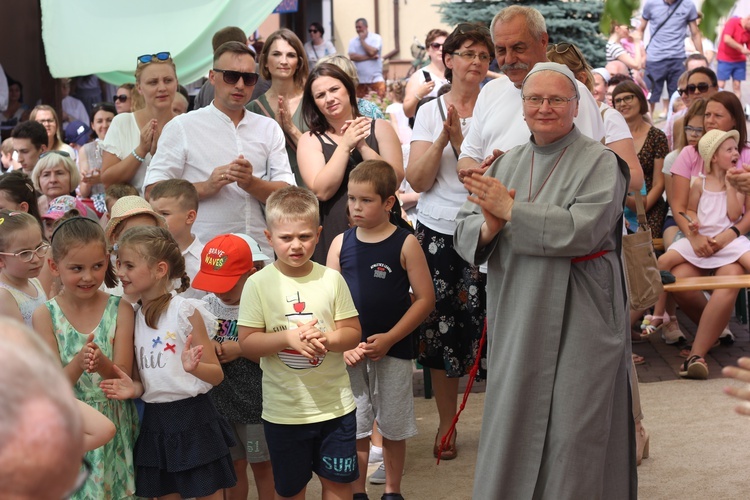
(112, 475)
(655, 147)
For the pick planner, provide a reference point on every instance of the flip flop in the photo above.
(638, 359)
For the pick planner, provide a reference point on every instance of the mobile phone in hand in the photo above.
(427, 77)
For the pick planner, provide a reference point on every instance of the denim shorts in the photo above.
(734, 70)
(327, 448)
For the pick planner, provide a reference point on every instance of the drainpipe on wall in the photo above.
(396, 30)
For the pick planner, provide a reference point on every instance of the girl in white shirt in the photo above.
(183, 445)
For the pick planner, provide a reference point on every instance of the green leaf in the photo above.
(713, 10)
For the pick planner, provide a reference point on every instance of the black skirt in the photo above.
(183, 447)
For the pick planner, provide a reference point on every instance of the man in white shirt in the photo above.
(235, 158)
(365, 51)
(520, 38)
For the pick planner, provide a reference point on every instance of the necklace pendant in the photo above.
(463, 121)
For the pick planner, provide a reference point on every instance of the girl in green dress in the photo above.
(93, 332)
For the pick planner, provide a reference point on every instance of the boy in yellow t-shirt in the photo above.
(299, 318)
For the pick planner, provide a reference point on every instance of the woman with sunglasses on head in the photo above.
(132, 137)
(339, 139)
(723, 112)
(651, 145)
(47, 116)
(90, 158)
(450, 335)
(122, 98)
(617, 135)
(317, 47)
(284, 63)
(419, 86)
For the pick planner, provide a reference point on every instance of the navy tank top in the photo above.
(379, 285)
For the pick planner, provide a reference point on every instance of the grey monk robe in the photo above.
(557, 417)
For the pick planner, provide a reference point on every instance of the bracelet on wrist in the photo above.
(418, 97)
(736, 231)
(139, 158)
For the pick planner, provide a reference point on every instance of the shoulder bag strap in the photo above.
(653, 34)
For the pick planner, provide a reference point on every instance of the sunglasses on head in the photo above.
(232, 77)
(465, 28)
(121, 98)
(436, 45)
(701, 87)
(562, 48)
(159, 56)
(55, 152)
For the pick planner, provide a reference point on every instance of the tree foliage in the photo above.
(583, 22)
(574, 21)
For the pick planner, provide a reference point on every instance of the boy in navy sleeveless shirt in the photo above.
(380, 262)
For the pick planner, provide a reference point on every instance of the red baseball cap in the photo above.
(224, 260)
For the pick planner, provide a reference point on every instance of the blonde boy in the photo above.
(299, 318)
(380, 263)
(177, 201)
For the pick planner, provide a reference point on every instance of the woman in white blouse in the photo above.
(132, 137)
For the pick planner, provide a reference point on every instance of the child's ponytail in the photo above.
(184, 283)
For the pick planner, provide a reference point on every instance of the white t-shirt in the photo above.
(158, 352)
(615, 126)
(439, 82)
(318, 52)
(371, 70)
(122, 138)
(75, 109)
(498, 119)
(437, 207)
(192, 145)
(404, 131)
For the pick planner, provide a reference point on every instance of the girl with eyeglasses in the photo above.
(22, 256)
(47, 116)
(664, 319)
(284, 63)
(419, 86)
(317, 47)
(450, 335)
(132, 137)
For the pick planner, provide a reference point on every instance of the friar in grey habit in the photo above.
(547, 219)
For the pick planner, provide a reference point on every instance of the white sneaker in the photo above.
(376, 454)
(671, 333)
(747, 111)
(726, 337)
(378, 477)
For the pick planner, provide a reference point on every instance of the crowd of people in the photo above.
(249, 282)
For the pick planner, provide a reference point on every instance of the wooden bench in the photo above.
(713, 283)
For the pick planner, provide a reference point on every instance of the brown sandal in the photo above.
(449, 452)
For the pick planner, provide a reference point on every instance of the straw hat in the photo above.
(710, 142)
(128, 206)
